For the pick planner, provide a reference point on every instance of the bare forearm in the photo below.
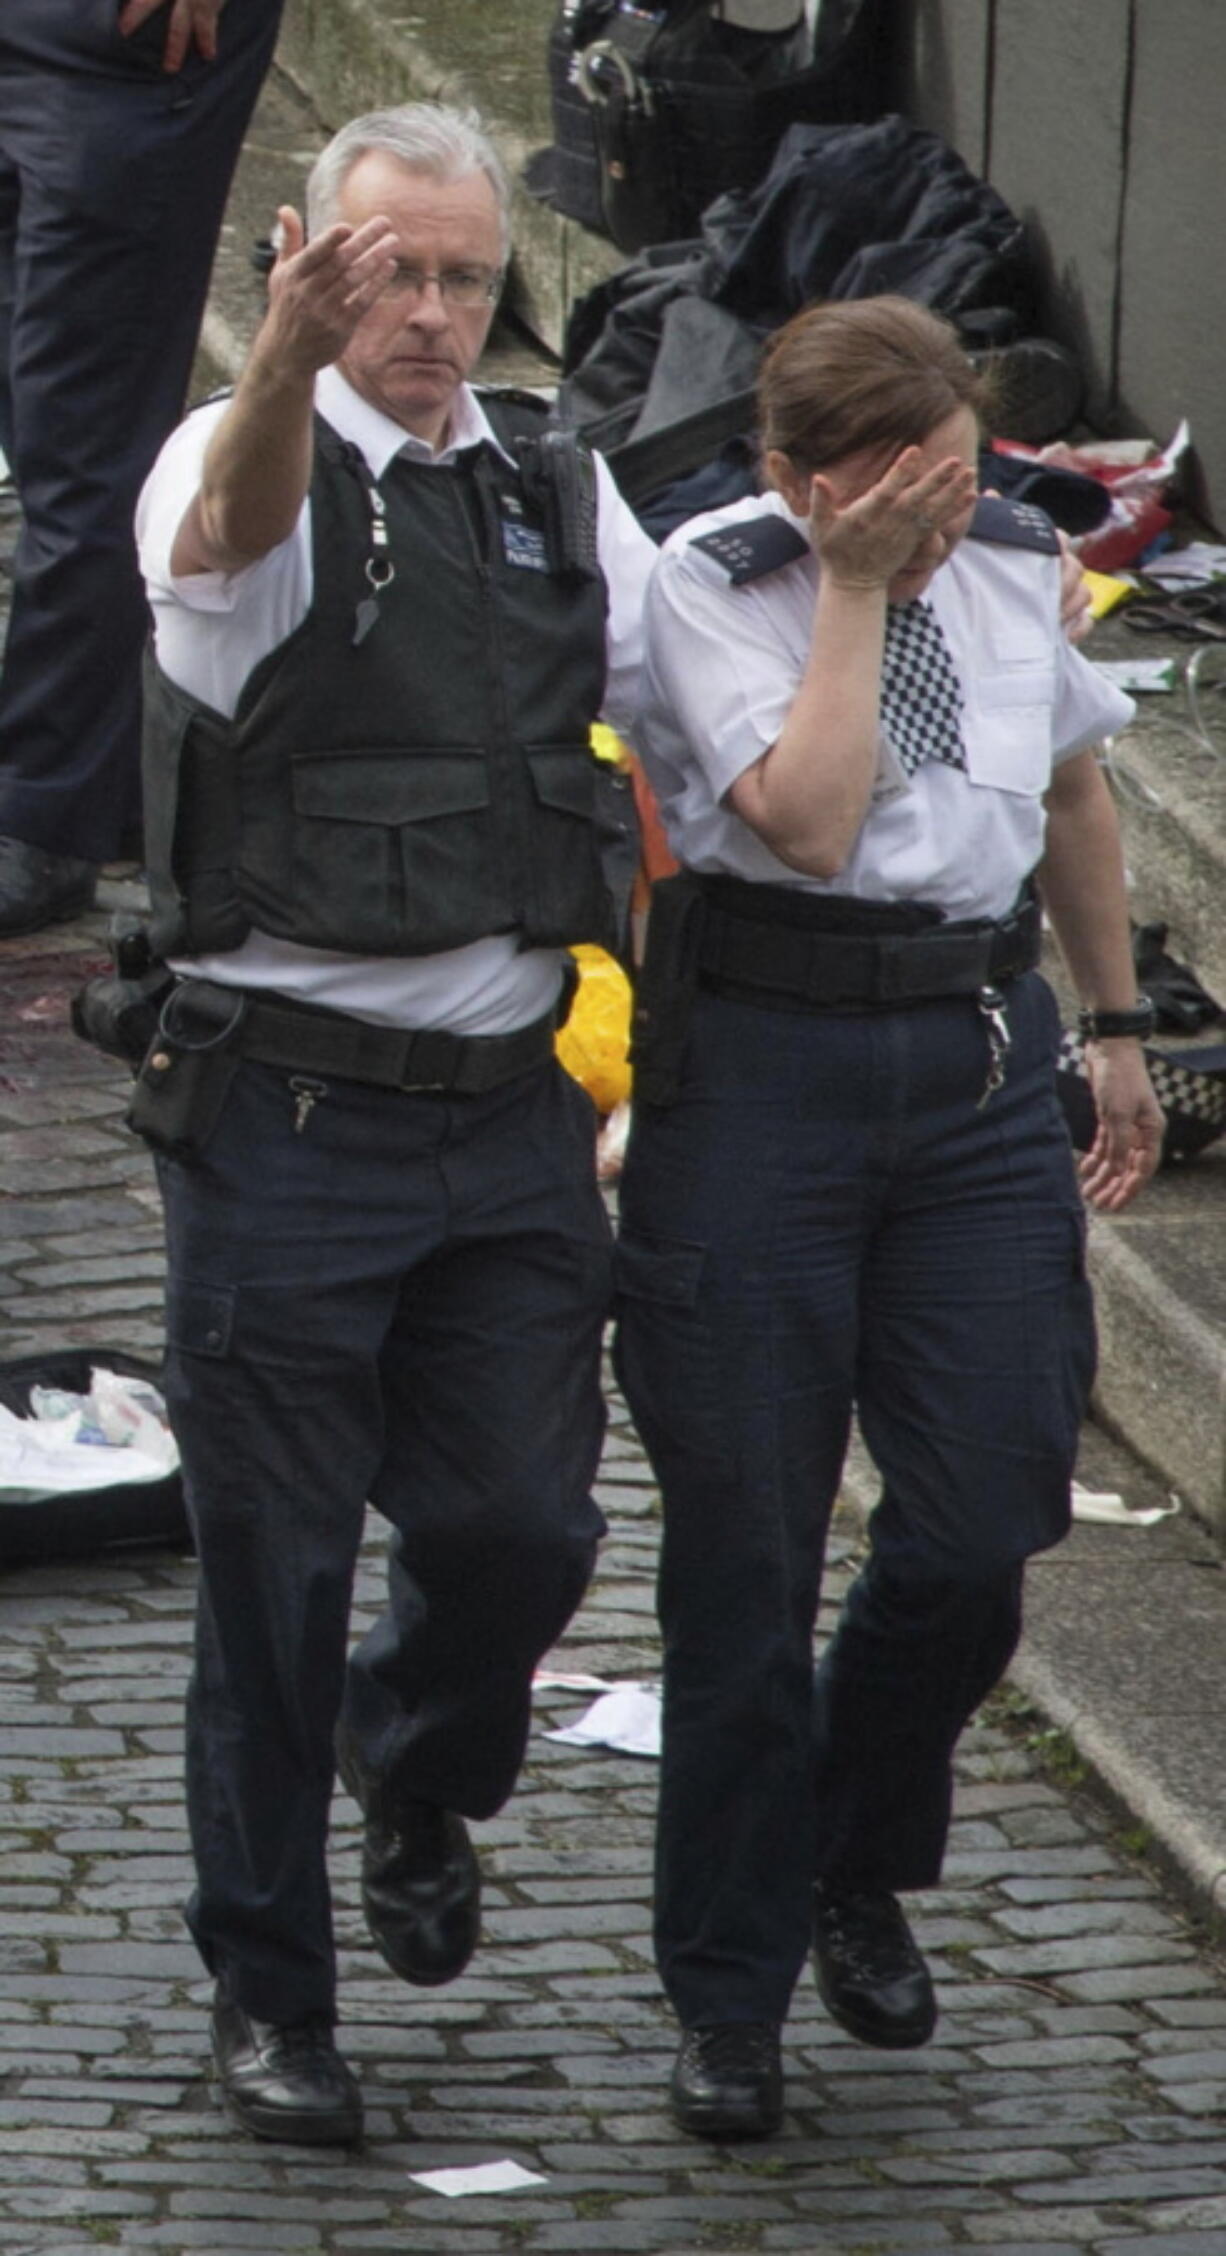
(1082, 882)
(1082, 879)
(809, 793)
(257, 468)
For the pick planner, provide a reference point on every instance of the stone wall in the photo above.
(1099, 121)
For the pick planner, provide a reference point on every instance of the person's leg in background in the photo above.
(112, 190)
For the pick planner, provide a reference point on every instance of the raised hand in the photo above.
(911, 516)
(319, 291)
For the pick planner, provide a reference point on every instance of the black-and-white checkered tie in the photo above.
(921, 698)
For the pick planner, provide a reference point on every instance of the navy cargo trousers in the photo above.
(395, 1297)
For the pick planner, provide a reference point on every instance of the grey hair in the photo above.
(446, 144)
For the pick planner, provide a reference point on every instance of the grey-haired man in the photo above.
(371, 829)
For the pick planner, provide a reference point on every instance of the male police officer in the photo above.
(383, 627)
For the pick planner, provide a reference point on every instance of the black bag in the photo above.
(657, 110)
(84, 1522)
(1182, 1004)
(661, 358)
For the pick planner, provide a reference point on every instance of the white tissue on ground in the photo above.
(626, 1717)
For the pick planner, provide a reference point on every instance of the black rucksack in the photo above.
(659, 109)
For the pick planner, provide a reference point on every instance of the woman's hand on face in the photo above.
(909, 520)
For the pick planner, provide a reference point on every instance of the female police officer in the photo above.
(849, 1183)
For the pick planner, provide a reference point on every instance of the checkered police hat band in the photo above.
(1193, 1103)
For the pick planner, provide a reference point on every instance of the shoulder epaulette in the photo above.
(513, 411)
(753, 548)
(1013, 524)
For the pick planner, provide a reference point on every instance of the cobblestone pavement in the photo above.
(1071, 2102)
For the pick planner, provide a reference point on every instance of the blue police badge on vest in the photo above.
(1013, 524)
(752, 549)
(523, 545)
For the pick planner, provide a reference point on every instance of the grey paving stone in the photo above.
(1160, 2244)
(1175, 1979)
(1121, 1916)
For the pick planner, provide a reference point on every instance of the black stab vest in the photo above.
(415, 789)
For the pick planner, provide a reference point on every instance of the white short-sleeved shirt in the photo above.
(213, 628)
(722, 667)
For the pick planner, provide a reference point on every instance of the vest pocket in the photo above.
(570, 897)
(391, 850)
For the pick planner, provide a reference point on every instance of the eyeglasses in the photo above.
(457, 285)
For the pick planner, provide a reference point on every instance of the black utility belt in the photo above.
(303, 1038)
(205, 1030)
(821, 968)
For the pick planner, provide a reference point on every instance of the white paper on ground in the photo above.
(626, 1718)
(1137, 673)
(1179, 567)
(479, 2177)
(556, 1680)
(1111, 1511)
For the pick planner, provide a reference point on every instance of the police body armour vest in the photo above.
(408, 771)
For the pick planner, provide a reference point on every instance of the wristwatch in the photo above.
(1108, 1025)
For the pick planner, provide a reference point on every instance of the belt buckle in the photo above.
(432, 1040)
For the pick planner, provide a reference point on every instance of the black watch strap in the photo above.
(1109, 1025)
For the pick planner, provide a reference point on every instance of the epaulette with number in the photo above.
(1013, 524)
(753, 548)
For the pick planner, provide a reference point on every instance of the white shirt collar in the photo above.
(380, 439)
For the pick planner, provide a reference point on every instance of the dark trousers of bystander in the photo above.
(113, 180)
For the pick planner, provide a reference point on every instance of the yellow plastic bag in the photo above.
(595, 1041)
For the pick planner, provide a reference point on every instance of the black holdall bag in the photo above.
(658, 110)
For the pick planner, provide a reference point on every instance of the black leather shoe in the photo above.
(285, 2081)
(871, 1973)
(727, 2080)
(38, 888)
(421, 1884)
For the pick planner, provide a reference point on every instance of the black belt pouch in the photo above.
(188, 1069)
(666, 986)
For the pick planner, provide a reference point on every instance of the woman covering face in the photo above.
(849, 1186)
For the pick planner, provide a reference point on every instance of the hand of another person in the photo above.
(867, 539)
(1075, 598)
(1075, 615)
(318, 292)
(1128, 1144)
(189, 23)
